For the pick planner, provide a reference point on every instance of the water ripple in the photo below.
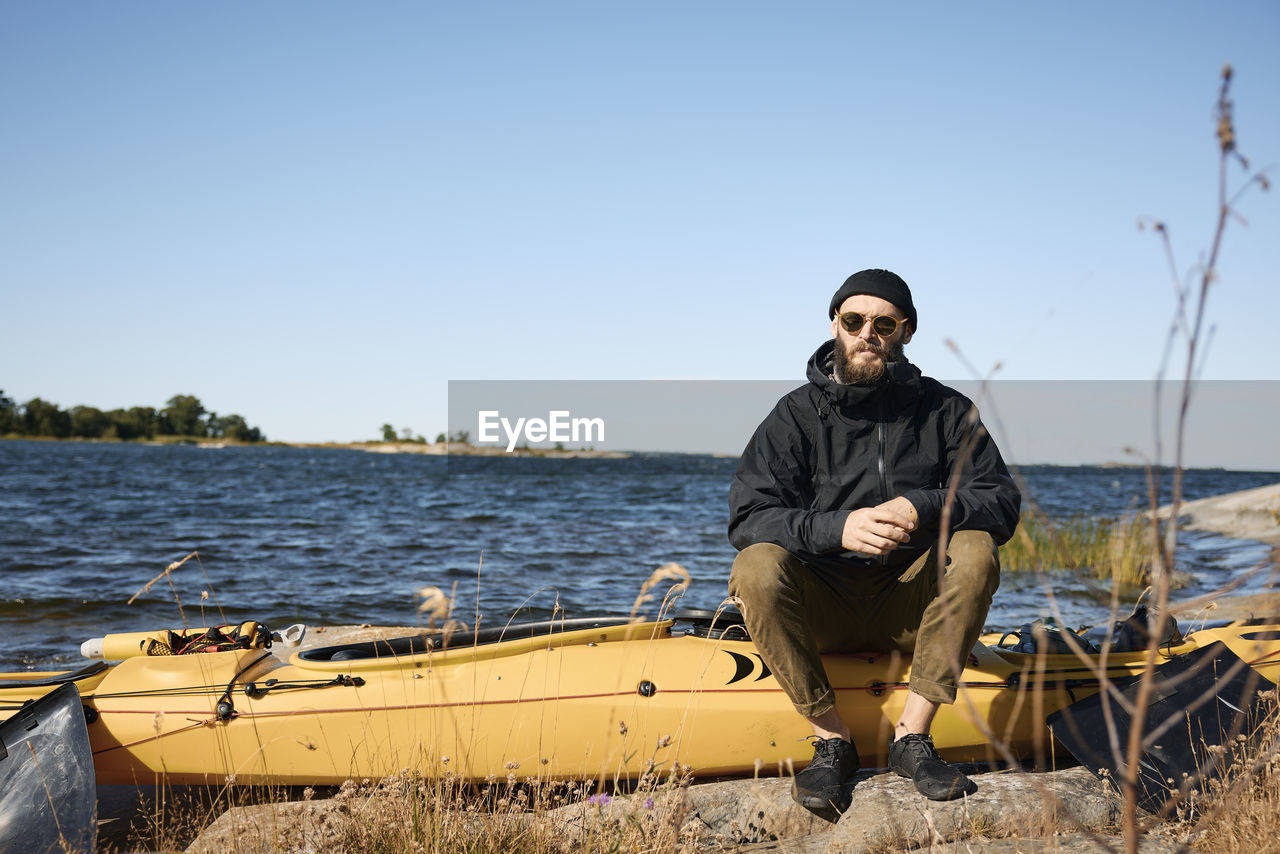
(325, 537)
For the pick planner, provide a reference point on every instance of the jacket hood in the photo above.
(901, 380)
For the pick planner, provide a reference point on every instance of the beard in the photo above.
(848, 370)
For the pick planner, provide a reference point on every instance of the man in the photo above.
(837, 508)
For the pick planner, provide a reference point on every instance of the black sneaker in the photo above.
(820, 786)
(914, 756)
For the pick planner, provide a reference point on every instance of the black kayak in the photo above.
(48, 797)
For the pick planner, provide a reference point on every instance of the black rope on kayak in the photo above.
(188, 691)
(225, 710)
(254, 691)
(183, 691)
(204, 690)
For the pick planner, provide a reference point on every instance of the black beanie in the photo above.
(877, 283)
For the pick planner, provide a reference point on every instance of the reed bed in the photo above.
(1109, 549)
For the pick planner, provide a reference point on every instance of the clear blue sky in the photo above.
(317, 213)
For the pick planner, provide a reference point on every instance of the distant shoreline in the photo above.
(458, 449)
(439, 449)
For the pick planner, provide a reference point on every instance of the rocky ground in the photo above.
(1253, 514)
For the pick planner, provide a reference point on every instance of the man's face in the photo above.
(860, 357)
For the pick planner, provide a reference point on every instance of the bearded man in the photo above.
(837, 509)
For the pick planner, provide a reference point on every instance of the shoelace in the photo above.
(825, 751)
(920, 746)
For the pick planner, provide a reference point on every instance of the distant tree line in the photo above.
(183, 415)
(406, 434)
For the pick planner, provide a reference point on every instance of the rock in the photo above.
(315, 827)
(1252, 514)
(1077, 843)
(1249, 606)
(887, 812)
(753, 810)
(816, 844)
(731, 812)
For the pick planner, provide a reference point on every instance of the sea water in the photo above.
(333, 537)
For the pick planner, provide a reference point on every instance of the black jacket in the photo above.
(827, 449)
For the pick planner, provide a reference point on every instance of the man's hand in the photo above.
(881, 529)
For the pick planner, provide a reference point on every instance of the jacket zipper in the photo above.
(881, 467)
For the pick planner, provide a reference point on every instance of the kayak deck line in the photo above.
(218, 691)
(157, 737)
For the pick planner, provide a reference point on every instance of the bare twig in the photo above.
(167, 575)
(1164, 547)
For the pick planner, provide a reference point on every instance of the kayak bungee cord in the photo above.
(254, 691)
(225, 709)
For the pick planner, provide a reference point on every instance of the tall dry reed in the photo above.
(1101, 548)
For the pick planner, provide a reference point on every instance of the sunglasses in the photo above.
(883, 325)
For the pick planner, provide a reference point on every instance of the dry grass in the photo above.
(1240, 813)
(412, 813)
(168, 818)
(415, 814)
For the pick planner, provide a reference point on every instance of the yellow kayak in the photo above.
(581, 699)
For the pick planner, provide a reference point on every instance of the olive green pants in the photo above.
(795, 612)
